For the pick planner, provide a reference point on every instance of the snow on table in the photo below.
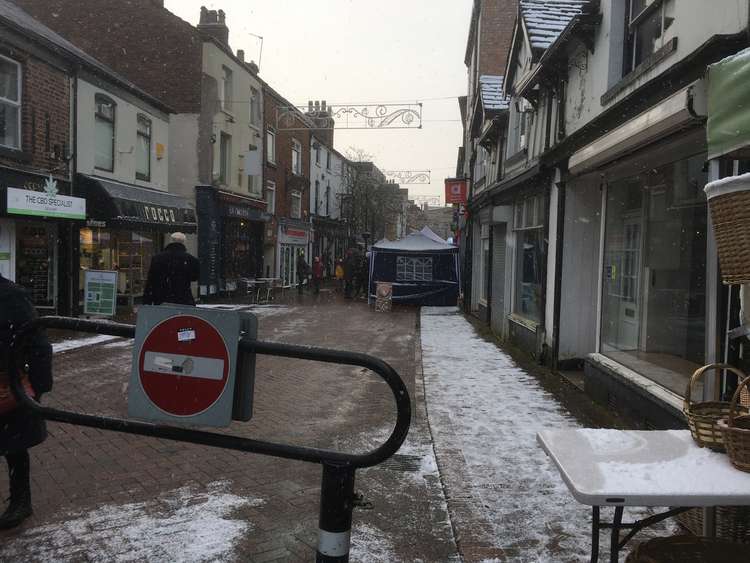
(644, 468)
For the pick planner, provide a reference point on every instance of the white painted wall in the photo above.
(696, 21)
(234, 120)
(183, 154)
(8, 248)
(126, 120)
(334, 176)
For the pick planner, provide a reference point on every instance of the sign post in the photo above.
(100, 291)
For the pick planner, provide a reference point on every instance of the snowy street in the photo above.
(469, 483)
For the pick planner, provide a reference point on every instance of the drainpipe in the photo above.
(75, 243)
(561, 187)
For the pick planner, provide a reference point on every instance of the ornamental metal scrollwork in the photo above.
(359, 116)
(408, 176)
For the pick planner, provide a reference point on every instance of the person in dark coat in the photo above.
(20, 429)
(350, 264)
(170, 275)
(302, 271)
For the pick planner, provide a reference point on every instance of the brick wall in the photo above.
(147, 44)
(45, 116)
(495, 34)
(281, 173)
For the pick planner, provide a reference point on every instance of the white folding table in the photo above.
(641, 468)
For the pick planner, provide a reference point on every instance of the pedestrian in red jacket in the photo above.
(317, 274)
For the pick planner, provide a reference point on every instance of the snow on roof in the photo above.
(546, 19)
(430, 234)
(491, 88)
(415, 242)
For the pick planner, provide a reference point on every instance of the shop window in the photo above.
(270, 197)
(296, 210)
(127, 252)
(654, 287)
(530, 257)
(104, 133)
(255, 114)
(10, 103)
(648, 22)
(143, 149)
(226, 89)
(411, 268)
(296, 157)
(36, 262)
(271, 146)
(225, 156)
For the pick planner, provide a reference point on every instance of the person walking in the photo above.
(171, 273)
(317, 274)
(302, 271)
(340, 274)
(20, 429)
(349, 269)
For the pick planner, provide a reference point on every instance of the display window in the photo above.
(530, 258)
(36, 261)
(654, 279)
(242, 250)
(127, 252)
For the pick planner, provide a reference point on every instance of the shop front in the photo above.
(294, 237)
(230, 239)
(36, 222)
(329, 242)
(127, 225)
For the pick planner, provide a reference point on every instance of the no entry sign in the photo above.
(184, 364)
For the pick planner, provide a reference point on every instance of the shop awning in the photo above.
(130, 206)
(680, 110)
(728, 128)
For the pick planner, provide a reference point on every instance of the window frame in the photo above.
(270, 190)
(634, 24)
(225, 162)
(17, 104)
(328, 160)
(227, 87)
(271, 145)
(414, 268)
(317, 197)
(295, 208)
(142, 118)
(99, 117)
(255, 111)
(328, 199)
(296, 163)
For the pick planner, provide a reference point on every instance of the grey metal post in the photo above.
(336, 505)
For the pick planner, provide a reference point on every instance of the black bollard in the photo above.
(336, 505)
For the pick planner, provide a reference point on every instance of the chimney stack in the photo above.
(214, 24)
(309, 106)
(241, 55)
(158, 3)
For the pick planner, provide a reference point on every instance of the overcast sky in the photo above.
(362, 51)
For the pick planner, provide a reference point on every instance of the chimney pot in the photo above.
(309, 106)
(241, 55)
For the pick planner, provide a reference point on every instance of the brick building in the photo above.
(286, 176)
(35, 238)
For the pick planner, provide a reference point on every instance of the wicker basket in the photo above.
(736, 430)
(729, 201)
(703, 416)
(687, 549)
(732, 523)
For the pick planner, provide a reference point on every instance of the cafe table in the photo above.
(641, 468)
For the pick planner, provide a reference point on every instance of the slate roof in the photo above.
(546, 19)
(14, 16)
(491, 88)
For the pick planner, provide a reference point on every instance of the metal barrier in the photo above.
(337, 486)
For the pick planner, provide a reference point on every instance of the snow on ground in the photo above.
(257, 310)
(495, 409)
(370, 545)
(184, 525)
(75, 343)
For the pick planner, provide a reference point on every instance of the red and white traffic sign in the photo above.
(184, 365)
